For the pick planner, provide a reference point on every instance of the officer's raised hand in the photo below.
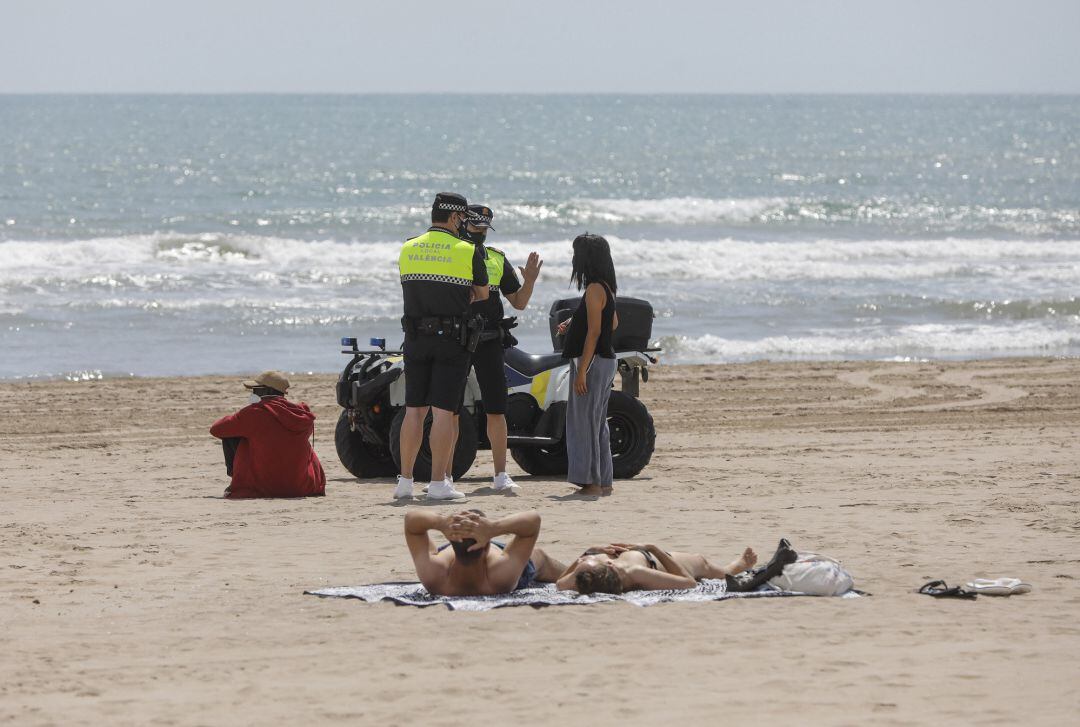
(531, 271)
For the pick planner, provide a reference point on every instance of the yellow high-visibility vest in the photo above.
(438, 256)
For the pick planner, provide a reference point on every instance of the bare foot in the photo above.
(607, 491)
(746, 561)
(591, 491)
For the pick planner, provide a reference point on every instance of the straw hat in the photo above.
(272, 379)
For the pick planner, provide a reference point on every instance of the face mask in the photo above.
(254, 398)
(474, 237)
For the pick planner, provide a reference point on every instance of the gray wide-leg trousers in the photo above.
(588, 441)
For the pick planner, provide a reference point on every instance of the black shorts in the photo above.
(436, 368)
(488, 360)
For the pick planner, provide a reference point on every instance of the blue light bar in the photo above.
(380, 342)
(348, 342)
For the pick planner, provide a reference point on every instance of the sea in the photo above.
(183, 235)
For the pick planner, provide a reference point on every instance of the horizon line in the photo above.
(541, 93)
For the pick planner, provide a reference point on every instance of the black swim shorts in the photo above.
(436, 368)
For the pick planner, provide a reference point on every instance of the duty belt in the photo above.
(432, 325)
(466, 330)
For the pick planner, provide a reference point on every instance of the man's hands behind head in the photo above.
(469, 524)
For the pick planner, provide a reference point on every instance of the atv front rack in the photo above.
(354, 349)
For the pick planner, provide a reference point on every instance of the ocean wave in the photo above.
(75, 376)
(797, 211)
(831, 259)
(1006, 309)
(266, 309)
(161, 260)
(140, 259)
(518, 215)
(679, 210)
(920, 340)
(521, 215)
(627, 216)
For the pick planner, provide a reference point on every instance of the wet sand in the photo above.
(134, 594)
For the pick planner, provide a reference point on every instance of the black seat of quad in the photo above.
(531, 365)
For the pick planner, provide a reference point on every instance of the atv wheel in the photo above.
(464, 454)
(362, 459)
(633, 436)
(542, 461)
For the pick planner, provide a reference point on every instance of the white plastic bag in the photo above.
(814, 575)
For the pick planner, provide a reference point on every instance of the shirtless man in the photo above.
(468, 565)
(620, 567)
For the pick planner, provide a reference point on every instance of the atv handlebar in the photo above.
(354, 352)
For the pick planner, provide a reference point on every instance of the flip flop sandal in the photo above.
(999, 586)
(939, 589)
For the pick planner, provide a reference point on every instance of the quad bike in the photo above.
(371, 392)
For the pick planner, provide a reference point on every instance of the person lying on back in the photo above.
(468, 565)
(620, 567)
(266, 445)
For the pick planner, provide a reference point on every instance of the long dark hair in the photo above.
(597, 579)
(592, 262)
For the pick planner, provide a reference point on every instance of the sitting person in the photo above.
(620, 567)
(467, 565)
(267, 452)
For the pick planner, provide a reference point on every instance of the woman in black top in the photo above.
(592, 366)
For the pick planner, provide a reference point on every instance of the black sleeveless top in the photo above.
(574, 345)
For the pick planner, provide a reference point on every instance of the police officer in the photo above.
(441, 275)
(487, 360)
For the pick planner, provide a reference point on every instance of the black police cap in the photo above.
(450, 202)
(480, 216)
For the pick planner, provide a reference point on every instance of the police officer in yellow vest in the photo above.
(441, 275)
(487, 359)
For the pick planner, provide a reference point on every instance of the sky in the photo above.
(554, 46)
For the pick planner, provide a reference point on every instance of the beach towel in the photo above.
(544, 594)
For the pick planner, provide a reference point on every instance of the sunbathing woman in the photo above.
(622, 567)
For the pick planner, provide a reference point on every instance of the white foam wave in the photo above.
(680, 210)
(690, 211)
(920, 340)
(827, 259)
(278, 309)
(527, 214)
(162, 260)
(143, 258)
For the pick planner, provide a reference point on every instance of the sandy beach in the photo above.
(134, 594)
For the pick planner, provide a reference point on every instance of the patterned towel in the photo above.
(542, 594)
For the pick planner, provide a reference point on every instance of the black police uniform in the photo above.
(488, 359)
(438, 270)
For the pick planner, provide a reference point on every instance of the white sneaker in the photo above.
(504, 483)
(403, 491)
(443, 490)
(445, 479)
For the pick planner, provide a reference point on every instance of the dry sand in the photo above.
(133, 594)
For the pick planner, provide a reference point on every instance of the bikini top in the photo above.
(648, 556)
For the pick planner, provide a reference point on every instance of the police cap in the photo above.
(450, 202)
(480, 216)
